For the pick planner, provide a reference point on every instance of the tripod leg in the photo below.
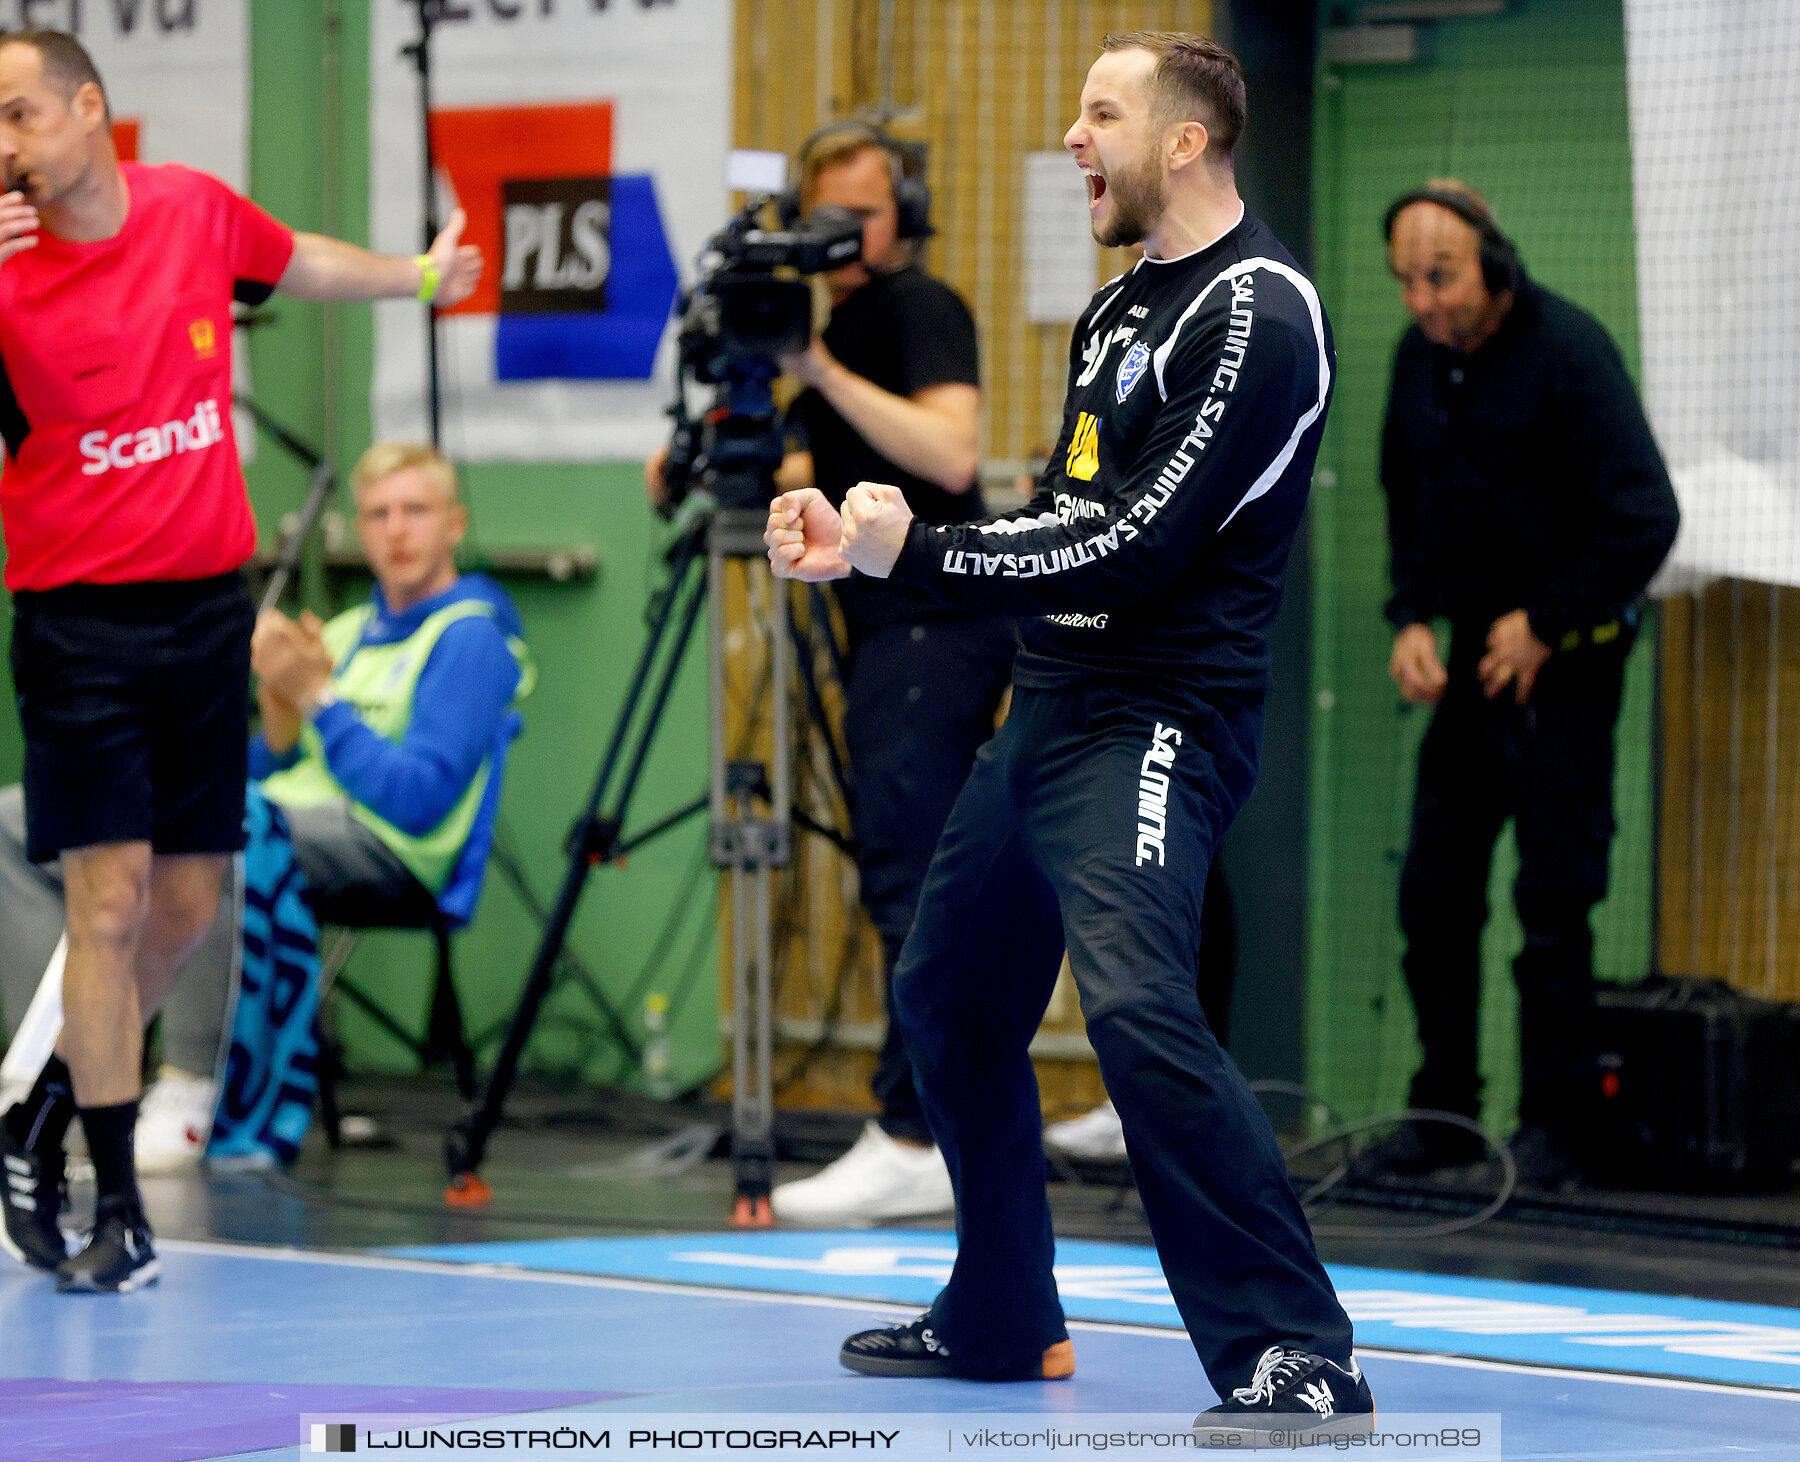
(466, 1144)
(755, 847)
(506, 861)
(752, 1145)
(753, 1142)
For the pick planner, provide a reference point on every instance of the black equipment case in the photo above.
(1700, 1086)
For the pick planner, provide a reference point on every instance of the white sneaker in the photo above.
(878, 1178)
(1095, 1134)
(175, 1120)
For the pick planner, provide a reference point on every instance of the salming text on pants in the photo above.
(920, 698)
(1092, 817)
(1549, 766)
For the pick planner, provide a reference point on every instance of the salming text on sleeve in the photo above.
(1197, 398)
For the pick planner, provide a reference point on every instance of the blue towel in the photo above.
(272, 1071)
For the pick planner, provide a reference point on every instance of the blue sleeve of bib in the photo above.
(264, 762)
(462, 696)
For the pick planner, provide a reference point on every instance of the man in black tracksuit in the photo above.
(1528, 506)
(1152, 557)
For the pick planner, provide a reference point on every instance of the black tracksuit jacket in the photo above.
(1522, 476)
(1156, 543)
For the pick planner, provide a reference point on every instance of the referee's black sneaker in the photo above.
(118, 1258)
(914, 1349)
(31, 1193)
(1294, 1393)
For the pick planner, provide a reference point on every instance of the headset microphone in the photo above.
(912, 196)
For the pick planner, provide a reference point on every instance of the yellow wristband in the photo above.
(429, 278)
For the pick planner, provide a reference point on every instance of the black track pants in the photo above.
(1091, 818)
(919, 699)
(1548, 766)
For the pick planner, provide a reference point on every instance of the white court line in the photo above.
(513, 1274)
(1576, 1373)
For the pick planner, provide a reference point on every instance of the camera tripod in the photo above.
(751, 807)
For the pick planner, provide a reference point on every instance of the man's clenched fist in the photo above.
(805, 536)
(876, 520)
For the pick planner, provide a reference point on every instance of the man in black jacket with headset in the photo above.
(1528, 506)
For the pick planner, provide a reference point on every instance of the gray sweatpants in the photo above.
(336, 854)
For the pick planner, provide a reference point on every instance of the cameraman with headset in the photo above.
(892, 394)
(1528, 506)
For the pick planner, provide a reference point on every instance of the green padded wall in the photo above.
(1530, 109)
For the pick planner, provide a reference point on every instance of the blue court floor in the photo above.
(237, 1342)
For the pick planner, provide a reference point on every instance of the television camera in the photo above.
(749, 305)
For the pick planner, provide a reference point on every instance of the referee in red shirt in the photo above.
(126, 522)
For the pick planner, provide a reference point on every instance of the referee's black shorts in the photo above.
(134, 700)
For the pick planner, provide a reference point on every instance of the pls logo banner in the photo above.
(579, 276)
(587, 145)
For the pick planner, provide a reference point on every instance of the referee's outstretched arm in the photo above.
(329, 269)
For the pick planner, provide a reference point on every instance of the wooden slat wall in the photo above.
(1729, 861)
(982, 82)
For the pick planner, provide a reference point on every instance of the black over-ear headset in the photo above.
(912, 197)
(1501, 267)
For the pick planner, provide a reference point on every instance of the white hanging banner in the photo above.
(1715, 109)
(586, 142)
(177, 73)
(1062, 261)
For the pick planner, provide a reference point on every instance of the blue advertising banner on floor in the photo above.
(1541, 1324)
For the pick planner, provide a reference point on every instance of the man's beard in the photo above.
(1138, 202)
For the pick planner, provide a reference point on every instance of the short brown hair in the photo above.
(384, 459)
(836, 144)
(1196, 80)
(66, 61)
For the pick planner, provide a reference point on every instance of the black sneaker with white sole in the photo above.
(31, 1188)
(913, 1349)
(118, 1258)
(1296, 1393)
(899, 1350)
